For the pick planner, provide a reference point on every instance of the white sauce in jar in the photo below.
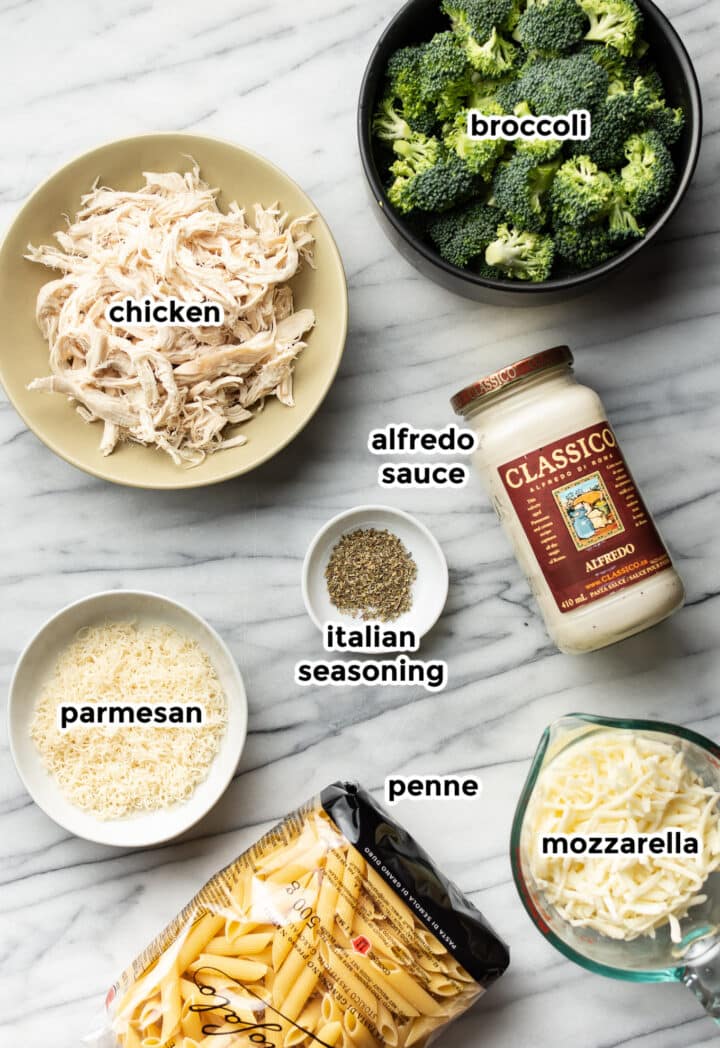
(560, 486)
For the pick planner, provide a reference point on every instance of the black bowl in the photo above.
(416, 22)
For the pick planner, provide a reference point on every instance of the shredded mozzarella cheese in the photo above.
(113, 772)
(619, 783)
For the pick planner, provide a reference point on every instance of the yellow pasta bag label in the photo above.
(335, 929)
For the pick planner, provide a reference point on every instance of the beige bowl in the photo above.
(242, 176)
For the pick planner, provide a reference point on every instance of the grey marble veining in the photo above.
(282, 79)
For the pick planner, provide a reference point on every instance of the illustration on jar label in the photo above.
(575, 496)
(588, 511)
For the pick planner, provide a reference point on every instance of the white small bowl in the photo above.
(430, 589)
(38, 661)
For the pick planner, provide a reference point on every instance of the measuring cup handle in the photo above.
(702, 976)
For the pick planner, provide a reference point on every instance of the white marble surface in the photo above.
(285, 84)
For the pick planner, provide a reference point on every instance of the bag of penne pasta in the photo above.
(334, 929)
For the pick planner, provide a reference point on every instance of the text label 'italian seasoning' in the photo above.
(369, 637)
(398, 672)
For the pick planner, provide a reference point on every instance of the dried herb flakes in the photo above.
(370, 573)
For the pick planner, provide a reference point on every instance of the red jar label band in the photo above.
(584, 518)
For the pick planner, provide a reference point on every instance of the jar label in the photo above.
(588, 527)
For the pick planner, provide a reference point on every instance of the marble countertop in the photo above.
(285, 84)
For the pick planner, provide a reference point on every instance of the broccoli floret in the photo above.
(404, 87)
(484, 92)
(551, 27)
(622, 223)
(557, 85)
(613, 22)
(443, 186)
(613, 121)
(649, 74)
(480, 155)
(463, 233)
(493, 58)
(519, 190)
(540, 148)
(667, 122)
(584, 248)
(619, 69)
(653, 111)
(478, 18)
(625, 111)
(415, 156)
(453, 98)
(444, 75)
(400, 195)
(480, 267)
(485, 88)
(521, 254)
(477, 25)
(428, 177)
(389, 124)
(646, 91)
(403, 73)
(649, 175)
(424, 122)
(580, 192)
(509, 94)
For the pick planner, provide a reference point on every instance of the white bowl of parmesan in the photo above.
(127, 718)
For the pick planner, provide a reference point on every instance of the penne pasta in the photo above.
(132, 1039)
(387, 1027)
(430, 942)
(238, 968)
(150, 1014)
(170, 1005)
(241, 946)
(200, 935)
(443, 986)
(298, 996)
(419, 1032)
(409, 989)
(386, 993)
(350, 892)
(329, 1009)
(306, 1024)
(358, 1032)
(330, 1034)
(330, 889)
(340, 969)
(308, 939)
(190, 1022)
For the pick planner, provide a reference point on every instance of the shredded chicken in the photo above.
(177, 388)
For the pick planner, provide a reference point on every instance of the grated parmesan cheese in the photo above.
(621, 783)
(113, 772)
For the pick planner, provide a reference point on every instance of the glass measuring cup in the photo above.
(695, 961)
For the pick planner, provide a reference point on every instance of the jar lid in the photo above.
(548, 358)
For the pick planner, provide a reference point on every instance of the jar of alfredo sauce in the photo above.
(561, 487)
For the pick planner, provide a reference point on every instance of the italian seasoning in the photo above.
(371, 574)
